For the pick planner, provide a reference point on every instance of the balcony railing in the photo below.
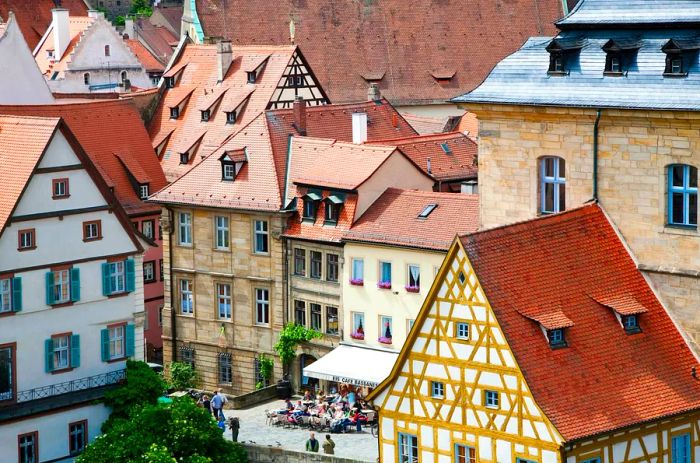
(82, 384)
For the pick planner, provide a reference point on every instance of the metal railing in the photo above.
(81, 384)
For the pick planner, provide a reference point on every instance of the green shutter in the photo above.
(104, 336)
(16, 294)
(106, 289)
(49, 288)
(130, 340)
(48, 355)
(75, 284)
(130, 275)
(75, 351)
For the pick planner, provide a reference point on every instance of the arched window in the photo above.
(124, 76)
(106, 50)
(683, 195)
(86, 78)
(552, 184)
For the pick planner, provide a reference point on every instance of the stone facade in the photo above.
(205, 266)
(635, 148)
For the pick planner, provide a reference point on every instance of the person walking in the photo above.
(234, 425)
(328, 445)
(205, 403)
(217, 404)
(312, 444)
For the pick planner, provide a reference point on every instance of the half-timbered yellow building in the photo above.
(541, 342)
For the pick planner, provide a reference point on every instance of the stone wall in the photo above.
(260, 454)
(252, 398)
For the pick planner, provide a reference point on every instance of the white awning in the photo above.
(359, 366)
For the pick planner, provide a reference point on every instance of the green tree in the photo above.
(182, 376)
(181, 432)
(290, 337)
(141, 8)
(267, 364)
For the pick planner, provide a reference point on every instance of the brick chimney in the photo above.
(300, 115)
(61, 32)
(373, 93)
(224, 58)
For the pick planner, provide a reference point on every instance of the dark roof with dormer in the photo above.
(632, 13)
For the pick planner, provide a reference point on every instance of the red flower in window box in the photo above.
(384, 284)
(412, 289)
(384, 340)
(359, 335)
(357, 281)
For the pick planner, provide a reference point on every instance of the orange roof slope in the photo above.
(459, 163)
(34, 16)
(316, 230)
(109, 130)
(345, 40)
(605, 379)
(22, 142)
(145, 57)
(394, 219)
(200, 76)
(76, 26)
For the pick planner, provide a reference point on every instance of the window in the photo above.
(117, 277)
(222, 232)
(143, 191)
(591, 460)
(162, 274)
(461, 277)
(552, 185)
(149, 271)
(261, 237)
(7, 372)
(160, 316)
(148, 228)
(358, 270)
(613, 63)
(524, 460)
(26, 240)
(86, 78)
(60, 287)
(556, 63)
(117, 342)
(225, 370)
(262, 306)
(413, 278)
(300, 262)
(408, 448)
(427, 210)
(556, 338)
(59, 187)
(310, 207)
(205, 115)
(491, 399)
(300, 312)
(631, 323)
(332, 267)
(252, 76)
(358, 325)
(187, 355)
(680, 448)
(28, 447)
(331, 320)
(462, 330)
(224, 300)
(170, 82)
(92, 230)
(384, 275)
(385, 329)
(174, 114)
(228, 171)
(60, 352)
(184, 158)
(332, 211)
(77, 437)
(683, 195)
(186, 297)
(231, 117)
(185, 229)
(316, 259)
(124, 76)
(5, 295)
(316, 317)
(410, 322)
(464, 454)
(446, 148)
(106, 50)
(437, 389)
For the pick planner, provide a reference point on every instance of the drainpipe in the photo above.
(173, 322)
(595, 154)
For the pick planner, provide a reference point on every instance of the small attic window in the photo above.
(49, 54)
(231, 117)
(461, 277)
(205, 115)
(680, 53)
(170, 82)
(631, 323)
(252, 76)
(311, 201)
(184, 158)
(562, 53)
(613, 63)
(556, 338)
(446, 148)
(107, 50)
(228, 170)
(427, 211)
(144, 191)
(620, 54)
(232, 163)
(334, 202)
(174, 112)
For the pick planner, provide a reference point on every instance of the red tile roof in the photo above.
(426, 125)
(34, 16)
(393, 219)
(158, 39)
(113, 135)
(460, 163)
(316, 230)
(605, 379)
(172, 14)
(77, 26)
(145, 57)
(346, 39)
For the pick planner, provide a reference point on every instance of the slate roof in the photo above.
(647, 13)
(116, 148)
(393, 219)
(34, 16)
(554, 266)
(406, 44)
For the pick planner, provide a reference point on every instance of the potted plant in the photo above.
(412, 289)
(357, 281)
(359, 333)
(384, 284)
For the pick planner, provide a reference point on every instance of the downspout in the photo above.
(595, 154)
(173, 323)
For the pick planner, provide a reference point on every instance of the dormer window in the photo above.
(174, 112)
(231, 117)
(228, 170)
(556, 63)
(205, 115)
(184, 158)
(679, 54)
(252, 76)
(562, 54)
(49, 54)
(613, 64)
(144, 191)
(232, 163)
(311, 200)
(170, 82)
(631, 323)
(556, 338)
(620, 55)
(625, 307)
(332, 208)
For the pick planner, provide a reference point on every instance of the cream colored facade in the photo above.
(242, 336)
(374, 303)
(635, 149)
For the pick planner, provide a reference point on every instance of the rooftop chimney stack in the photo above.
(224, 57)
(61, 32)
(129, 27)
(373, 93)
(359, 128)
(95, 14)
(300, 114)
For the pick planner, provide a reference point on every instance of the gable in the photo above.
(467, 368)
(90, 49)
(298, 80)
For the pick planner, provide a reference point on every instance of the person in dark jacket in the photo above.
(312, 444)
(234, 425)
(328, 445)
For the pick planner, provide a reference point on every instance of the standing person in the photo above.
(358, 415)
(328, 445)
(234, 425)
(217, 404)
(205, 403)
(312, 444)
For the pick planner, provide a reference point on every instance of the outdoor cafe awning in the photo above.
(359, 366)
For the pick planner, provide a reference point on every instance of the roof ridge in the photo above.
(427, 137)
(443, 194)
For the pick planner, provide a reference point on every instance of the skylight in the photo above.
(446, 148)
(427, 210)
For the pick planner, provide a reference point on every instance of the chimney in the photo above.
(61, 33)
(95, 14)
(359, 128)
(300, 114)
(224, 58)
(129, 27)
(373, 93)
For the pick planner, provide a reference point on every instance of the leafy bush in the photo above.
(267, 364)
(290, 337)
(182, 376)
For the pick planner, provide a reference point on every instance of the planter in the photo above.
(384, 340)
(357, 282)
(384, 284)
(412, 289)
(357, 336)
(284, 389)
